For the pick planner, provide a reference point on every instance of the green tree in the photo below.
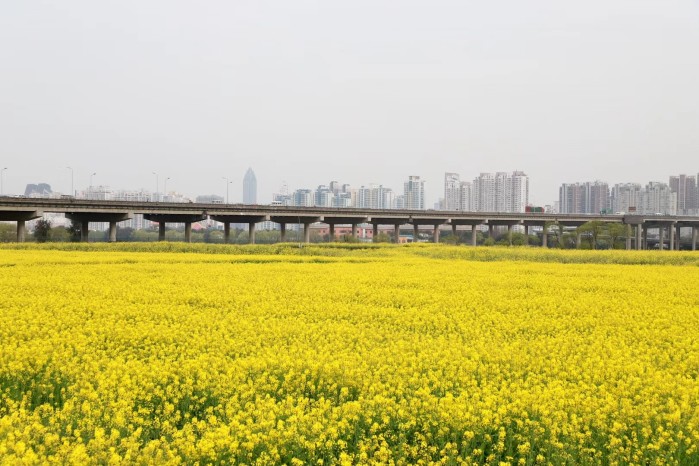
(74, 231)
(42, 229)
(615, 231)
(592, 231)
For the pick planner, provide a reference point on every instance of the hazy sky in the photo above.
(356, 91)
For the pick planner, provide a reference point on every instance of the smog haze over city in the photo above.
(362, 92)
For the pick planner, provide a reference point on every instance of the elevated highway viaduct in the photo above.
(83, 212)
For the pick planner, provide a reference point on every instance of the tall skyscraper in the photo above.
(250, 187)
(452, 192)
(658, 198)
(414, 193)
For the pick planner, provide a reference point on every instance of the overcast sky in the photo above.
(360, 91)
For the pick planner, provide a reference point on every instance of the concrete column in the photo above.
(374, 231)
(435, 234)
(415, 228)
(332, 232)
(628, 237)
(282, 230)
(161, 231)
(578, 240)
(509, 234)
(671, 233)
(226, 232)
(354, 230)
(306, 232)
(544, 237)
(491, 229)
(526, 235)
(84, 231)
(112, 232)
(453, 233)
(251, 232)
(474, 235)
(396, 233)
(644, 240)
(661, 234)
(187, 232)
(638, 237)
(695, 233)
(678, 240)
(21, 231)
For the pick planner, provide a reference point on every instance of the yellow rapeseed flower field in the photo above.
(185, 354)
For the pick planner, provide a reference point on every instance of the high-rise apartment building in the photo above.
(626, 198)
(517, 192)
(466, 196)
(249, 187)
(499, 192)
(658, 198)
(687, 195)
(414, 193)
(452, 191)
(584, 198)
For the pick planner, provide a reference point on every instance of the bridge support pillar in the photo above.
(661, 235)
(638, 237)
(226, 232)
(578, 240)
(396, 234)
(306, 232)
(453, 233)
(671, 233)
(491, 231)
(435, 234)
(374, 231)
(415, 228)
(161, 231)
(21, 231)
(629, 234)
(544, 237)
(251, 233)
(695, 233)
(526, 235)
(644, 240)
(509, 234)
(354, 230)
(282, 232)
(331, 233)
(187, 232)
(678, 240)
(474, 235)
(84, 231)
(112, 232)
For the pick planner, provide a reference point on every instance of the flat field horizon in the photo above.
(347, 354)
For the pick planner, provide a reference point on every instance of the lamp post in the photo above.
(165, 186)
(155, 194)
(72, 193)
(2, 190)
(93, 174)
(227, 183)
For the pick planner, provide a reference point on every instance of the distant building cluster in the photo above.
(340, 195)
(678, 197)
(488, 192)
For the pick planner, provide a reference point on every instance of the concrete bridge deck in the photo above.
(84, 211)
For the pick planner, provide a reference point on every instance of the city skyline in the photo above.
(595, 89)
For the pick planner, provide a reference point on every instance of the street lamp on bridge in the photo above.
(227, 183)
